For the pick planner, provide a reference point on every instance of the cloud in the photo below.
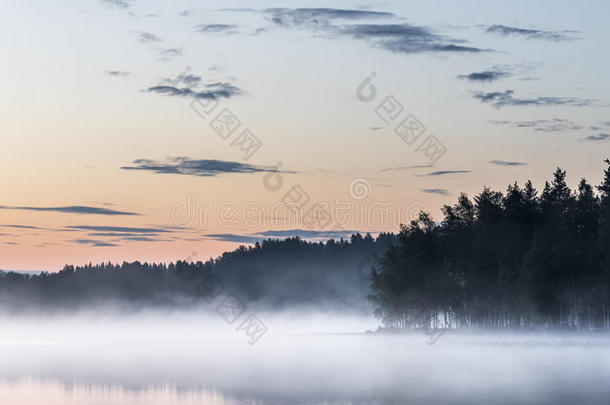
(230, 237)
(73, 209)
(21, 226)
(185, 78)
(337, 23)
(485, 76)
(202, 167)
(147, 37)
(217, 28)
(444, 172)
(400, 168)
(121, 229)
(117, 234)
(93, 242)
(548, 125)
(124, 4)
(117, 73)
(405, 38)
(555, 36)
(597, 138)
(281, 234)
(440, 191)
(319, 16)
(143, 239)
(506, 163)
(214, 91)
(306, 233)
(171, 52)
(187, 84)
(501, 99)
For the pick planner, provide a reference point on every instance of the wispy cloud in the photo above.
(444, 172)
(143, 239)
(187, 84)
(545, 125)
(401, 168)
(124, 4)
(506, 98)
(212, 92)
(148, 37)
(73, 209)
(201, 167)
(440, 191)
(528, 33)
(171, 52)
(485, 76)
(337, 23)
(306, 233)
(93, 242)
(281, 234)
(121, 229)
(22, 226)
(506, 163)
(217, 28)
(232, 237)
(597, 138)
(117, 73)
(289, 17)
(186, 12)
(406, 38)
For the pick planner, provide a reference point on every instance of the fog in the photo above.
(187, 357)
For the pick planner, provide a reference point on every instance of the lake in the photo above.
(314, 359)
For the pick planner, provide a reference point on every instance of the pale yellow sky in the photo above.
(68, 127)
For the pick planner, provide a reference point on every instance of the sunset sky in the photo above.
(109, 152)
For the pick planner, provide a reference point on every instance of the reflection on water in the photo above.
(30, 392)
(180, 361)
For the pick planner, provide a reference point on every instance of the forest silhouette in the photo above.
(512, 260)
(518, 259)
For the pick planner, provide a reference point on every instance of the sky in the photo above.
(159, 131)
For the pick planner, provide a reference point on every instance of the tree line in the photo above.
(519, 259)
(273, 273)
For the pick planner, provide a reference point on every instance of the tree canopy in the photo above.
(513, 259)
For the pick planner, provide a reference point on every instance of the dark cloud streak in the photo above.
(73, 209)
(506, 163)
(597, 138)
(554, 36)
(202, 167)
(484, 76)
(440, 191)
(506, 98)
(444, 172)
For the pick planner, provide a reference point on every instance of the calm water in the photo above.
(189, 360)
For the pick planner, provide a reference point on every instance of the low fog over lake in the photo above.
(291, 202)
(189, 358)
